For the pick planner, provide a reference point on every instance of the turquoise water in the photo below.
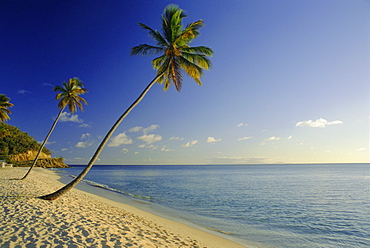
(321, 205)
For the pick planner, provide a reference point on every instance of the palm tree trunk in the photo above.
(43, 143)
(75, 181)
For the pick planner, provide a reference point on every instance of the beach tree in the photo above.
(4, 108)
(69, 95)
(175, 57)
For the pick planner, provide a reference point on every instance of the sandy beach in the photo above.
(80, 219)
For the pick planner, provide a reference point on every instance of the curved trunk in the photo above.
(75, 181)
(43, 143)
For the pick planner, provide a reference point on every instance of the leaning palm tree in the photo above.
(175, 55)
(4, 108)
(68, 96)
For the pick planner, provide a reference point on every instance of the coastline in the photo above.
(80, 219)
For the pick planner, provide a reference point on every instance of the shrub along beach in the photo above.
(80, 219)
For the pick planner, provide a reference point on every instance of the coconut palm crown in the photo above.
(69, 95)
(4, 107)
(173, 46)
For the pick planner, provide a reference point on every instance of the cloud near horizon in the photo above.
(273, 138)
(190, 143)
(65, 116)
(120, 139)
(245, 138)
(212, 140)
(239, 160)
(318, 123)
(176, 138)
(151, 138)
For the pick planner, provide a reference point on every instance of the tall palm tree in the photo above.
(68, 96)
(4, 105)
(175, 55)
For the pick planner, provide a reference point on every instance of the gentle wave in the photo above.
(106, 187)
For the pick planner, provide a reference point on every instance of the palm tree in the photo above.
(68, 96)
(4, 105)
(175, 55)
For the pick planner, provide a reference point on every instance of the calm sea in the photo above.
(320, 205)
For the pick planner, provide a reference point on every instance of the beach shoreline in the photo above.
(83, 219)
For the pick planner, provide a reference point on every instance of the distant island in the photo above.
(20, 149)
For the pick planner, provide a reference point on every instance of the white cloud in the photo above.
(242, 124)
(318, 123)
(84, 125)
(166, 149)
(82, 144)
(65, 116)
(46, 84)
(212, 140)
(148, 146)
(135, 129)
(361, 149)
(239, 160)
(176, 138)
(64, 149)
(245, 138)
(85, 135)
(151, 138)
(124, 150)
(150, 128)
(273, 138)
(120, 139)
(290, 137)
(190, 143)
(23, 92)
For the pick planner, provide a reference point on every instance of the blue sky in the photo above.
(289, 82)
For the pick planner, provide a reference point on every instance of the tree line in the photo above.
(13, 141)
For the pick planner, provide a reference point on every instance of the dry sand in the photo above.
(80, 219)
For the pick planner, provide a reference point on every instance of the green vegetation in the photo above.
(4, 105)
(13, 141)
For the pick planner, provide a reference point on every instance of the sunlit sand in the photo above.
(80, 219)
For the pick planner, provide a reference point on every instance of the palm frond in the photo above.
(159, 61)
(199, 49)
(190, 32)
(192, 69)
(198, 59)
(172, 22)
(156, 35)
(145, 49)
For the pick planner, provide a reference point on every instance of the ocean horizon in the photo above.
(266, 205)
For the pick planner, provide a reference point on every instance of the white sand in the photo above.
(80, 219)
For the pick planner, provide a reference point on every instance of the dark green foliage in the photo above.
(13, 141)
